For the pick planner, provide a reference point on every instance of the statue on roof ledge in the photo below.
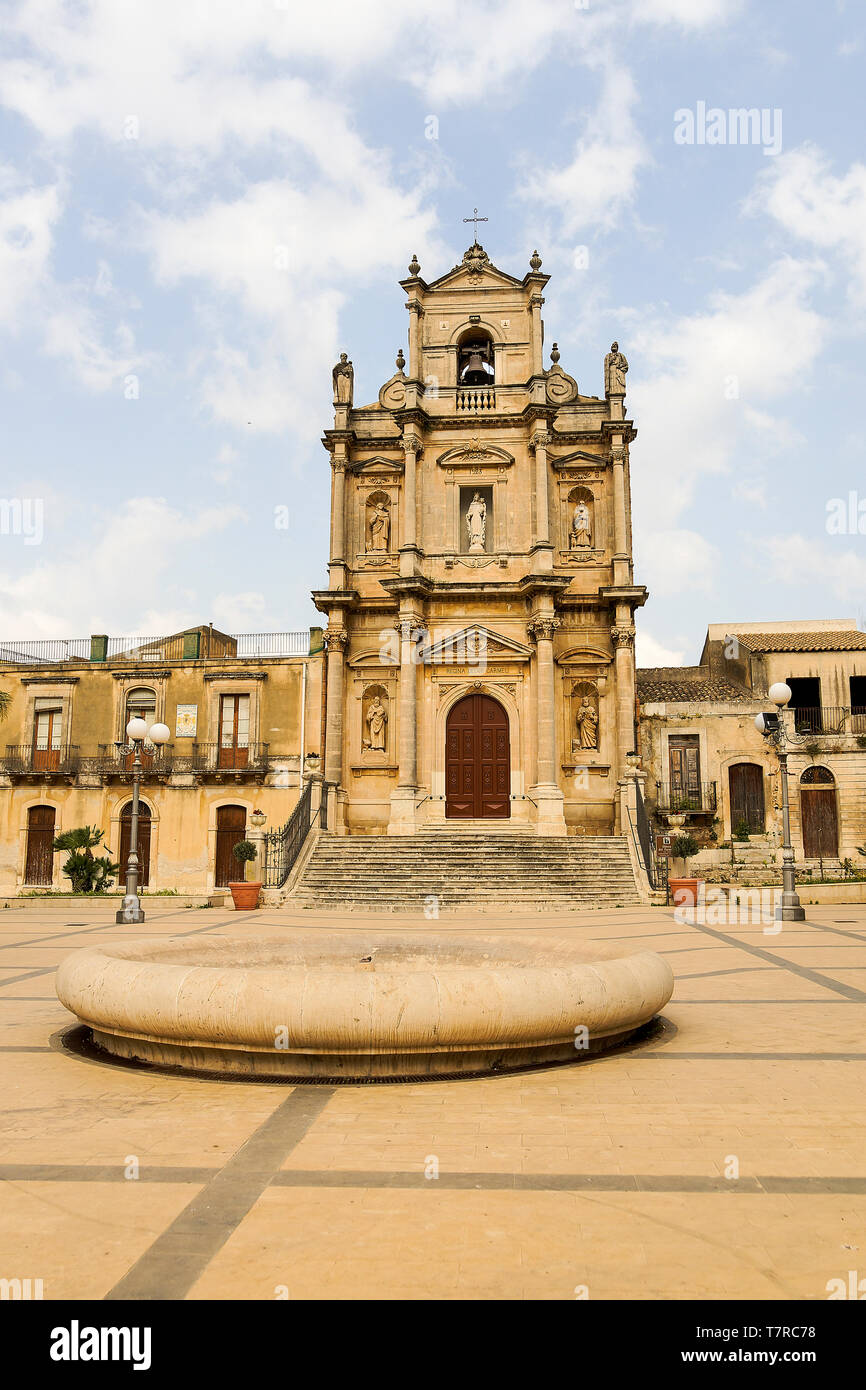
(343, 377)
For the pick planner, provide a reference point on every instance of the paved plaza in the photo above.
(721, 1158)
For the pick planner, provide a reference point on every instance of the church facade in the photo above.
(481, 597)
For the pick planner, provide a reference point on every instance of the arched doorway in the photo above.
(818, 814)
(39, 857)
(477, 760)
(746, 786)
(231, 826)
(143, 842)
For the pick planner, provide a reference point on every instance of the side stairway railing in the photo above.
(643, 837)
(282, 846)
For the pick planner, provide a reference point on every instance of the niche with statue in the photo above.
(374, 719)
(584, 718)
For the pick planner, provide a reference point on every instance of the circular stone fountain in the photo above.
(358, 1005)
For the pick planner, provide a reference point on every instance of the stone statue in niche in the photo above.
(615, 368)
(587, 724)
(343, 377)
(376, 720)
(581, 527)
(378, 524)
(476, 522)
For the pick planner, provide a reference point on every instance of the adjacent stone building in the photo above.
(244, 714)
(706, 761)
(481, 599)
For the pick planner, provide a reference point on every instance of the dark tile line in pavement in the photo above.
(570, 1182)
(803, 971)
(29, 975)
(180, 1255)
(769, 1185)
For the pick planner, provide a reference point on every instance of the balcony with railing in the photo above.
(697, 799)
(24, 762)
(157, 764)
(837, 720)
(475, 400)
(218, 762)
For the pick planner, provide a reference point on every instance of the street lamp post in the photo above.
(137, 731)
(773, 728)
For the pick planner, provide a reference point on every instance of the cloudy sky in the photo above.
(202, 203)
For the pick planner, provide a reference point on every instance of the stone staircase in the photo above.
(452, 870)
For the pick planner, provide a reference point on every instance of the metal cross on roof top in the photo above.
(476, 219)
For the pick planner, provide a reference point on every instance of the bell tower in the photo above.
(481, 599)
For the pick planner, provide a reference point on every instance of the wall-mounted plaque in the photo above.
(185, 722)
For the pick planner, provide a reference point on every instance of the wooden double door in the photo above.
(39, 858)
(477, 760)
(143, 846)
(231, 826)
(746, 783)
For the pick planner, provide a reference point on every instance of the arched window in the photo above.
(475, 361)
(814, 775)
(140, 704)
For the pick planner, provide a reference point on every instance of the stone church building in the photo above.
(481, 599)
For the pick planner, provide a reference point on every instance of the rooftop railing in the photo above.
(198, 645)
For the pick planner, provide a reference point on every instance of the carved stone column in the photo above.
(543, 548)
(338, 518)
(409, 543)
(402, 821)
(622, 636)
(546, 792)
(336, 641)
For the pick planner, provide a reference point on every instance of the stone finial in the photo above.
(535, 261)
(401, 360)
(414, 265)
(554, 354)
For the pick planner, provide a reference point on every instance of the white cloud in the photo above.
(801, 562)
(93, 587)
(816, 206)
(243, 612)
(650, 652)
(701, 377)
(601, 178)
(674, 562)
(689, 14)
(28, 217)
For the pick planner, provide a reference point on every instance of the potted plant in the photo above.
(245, 894)
(87, 872)
(684, 890)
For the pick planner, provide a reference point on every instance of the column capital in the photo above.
(411, 443)
(542, 628)
(336, 639)
(622, 636)
(540, 439)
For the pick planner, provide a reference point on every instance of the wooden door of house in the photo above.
(46, 739)
(818, 814)
(746, 783)
(143, 842)
(231, 827)
(39, 857)
(684, 755)
(477, 760)
(234, 749)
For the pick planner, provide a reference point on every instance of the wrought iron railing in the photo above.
(214, 757)
(829, 719)
(680, 800)
(24, 760)
(282, 846)
(109, 762)
(200, 644)
(643, 830)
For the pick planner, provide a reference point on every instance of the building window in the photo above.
(234, 730)
(475, 360)
(47, 733)
(684, 760)
(140, 704)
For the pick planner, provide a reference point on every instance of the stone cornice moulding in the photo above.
(48, 680)
(361, 466)
(579, 458)
(495, 646)
(150, 673)
(235, 675)
(583, 656)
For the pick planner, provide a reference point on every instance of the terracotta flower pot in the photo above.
(684, 891)
(245, 895)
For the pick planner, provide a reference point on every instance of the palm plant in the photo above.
(87, 872)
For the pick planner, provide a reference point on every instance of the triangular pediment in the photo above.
(578, 458)
(377, 464)
(463, 277)
(473, 643)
